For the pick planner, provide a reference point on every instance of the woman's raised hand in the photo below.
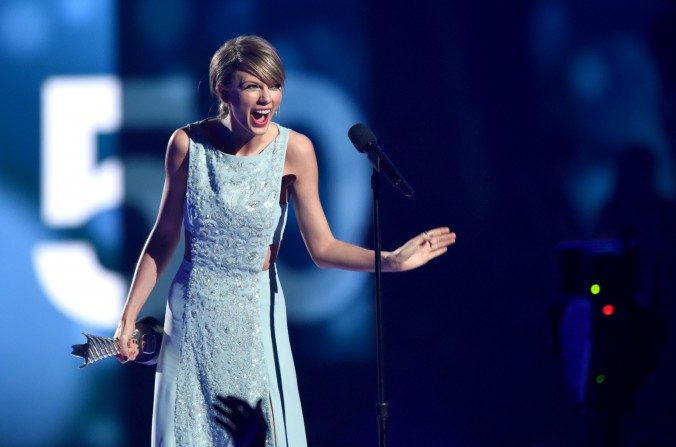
(419, 250)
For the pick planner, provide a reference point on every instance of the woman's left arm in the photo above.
(324, 248)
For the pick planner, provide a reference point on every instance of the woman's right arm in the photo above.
(161, 243)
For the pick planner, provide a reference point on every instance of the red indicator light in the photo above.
(608, 310)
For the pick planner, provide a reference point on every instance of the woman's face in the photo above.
(251, 103)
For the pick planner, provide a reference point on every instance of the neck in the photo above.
(236, 139)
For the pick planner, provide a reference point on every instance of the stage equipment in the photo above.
(365, 141)
(609, 330)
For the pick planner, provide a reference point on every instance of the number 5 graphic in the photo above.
(74, 188)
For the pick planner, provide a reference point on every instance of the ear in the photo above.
(223, 93)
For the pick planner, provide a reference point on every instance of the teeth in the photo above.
(262, 112)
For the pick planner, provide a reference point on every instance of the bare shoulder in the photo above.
(300, 152)
(177, 148)
(299, 145)
(179, 141)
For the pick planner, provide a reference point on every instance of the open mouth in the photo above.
(260, 117)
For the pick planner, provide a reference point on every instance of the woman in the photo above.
(228, 181)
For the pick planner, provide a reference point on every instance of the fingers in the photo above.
(233, 406)
(123, 354)
(133, 349)
(233, 413)
(233, 419)
(223, 416)
(445, 239)
(233, 401)
(438, 252)
(437, 238)
(425, 239)
(128, 349)
(225, 423)
(438, 231)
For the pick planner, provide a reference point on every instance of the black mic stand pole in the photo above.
(382, 405)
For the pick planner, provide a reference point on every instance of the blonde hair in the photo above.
(252, 54)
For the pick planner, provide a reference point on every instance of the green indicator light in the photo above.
(600, 378)
(595, 289)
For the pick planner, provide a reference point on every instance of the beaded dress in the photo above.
(225, 325)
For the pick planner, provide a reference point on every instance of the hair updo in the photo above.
(252, 54)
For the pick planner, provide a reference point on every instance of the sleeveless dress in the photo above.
(225, 324)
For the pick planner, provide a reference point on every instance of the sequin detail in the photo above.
(234, 210)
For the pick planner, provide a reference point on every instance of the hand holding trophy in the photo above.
(147, 336)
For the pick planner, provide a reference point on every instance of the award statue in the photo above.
(148, 337)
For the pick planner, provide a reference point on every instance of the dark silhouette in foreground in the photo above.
(244, 423)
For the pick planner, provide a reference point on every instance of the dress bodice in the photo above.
(233, 210)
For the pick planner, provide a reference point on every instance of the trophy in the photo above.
(148, 337)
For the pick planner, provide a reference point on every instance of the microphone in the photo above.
(365, 141)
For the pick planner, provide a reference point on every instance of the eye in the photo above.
(276, 87)
(250, 86)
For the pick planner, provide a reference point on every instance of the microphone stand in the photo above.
(365, 141)
(382, 407)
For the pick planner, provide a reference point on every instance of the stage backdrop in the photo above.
(519, 126)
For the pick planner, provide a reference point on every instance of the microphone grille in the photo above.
(361, 136)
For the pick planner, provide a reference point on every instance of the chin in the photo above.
(259, 130)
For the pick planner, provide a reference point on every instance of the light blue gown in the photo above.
(225, 325)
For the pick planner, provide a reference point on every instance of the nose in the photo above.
(265, 96)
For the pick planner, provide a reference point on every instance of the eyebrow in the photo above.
(254, 80)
